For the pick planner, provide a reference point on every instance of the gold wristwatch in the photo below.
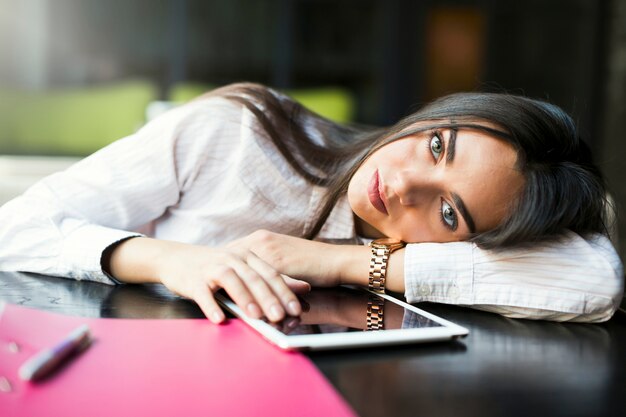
(381, 249)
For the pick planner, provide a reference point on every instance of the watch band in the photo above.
(375, 313)
(378, 269)
(381, 249)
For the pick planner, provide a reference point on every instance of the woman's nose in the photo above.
(412, 188)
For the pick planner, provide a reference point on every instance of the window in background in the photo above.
(455, 50)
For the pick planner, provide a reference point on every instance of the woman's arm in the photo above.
(319, 263)
(63, 224)
(196, 272)
(574, 279)
(68, 223)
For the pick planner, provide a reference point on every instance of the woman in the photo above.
(226, 191)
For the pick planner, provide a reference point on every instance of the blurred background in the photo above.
(76, 75)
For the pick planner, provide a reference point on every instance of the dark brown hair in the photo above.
(563, 189)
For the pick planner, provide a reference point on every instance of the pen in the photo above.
(47, 360)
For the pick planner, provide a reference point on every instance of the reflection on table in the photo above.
(504, 367)
(333, 310)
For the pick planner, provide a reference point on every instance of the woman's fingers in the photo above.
(276, 284)
(255, 286)
(232, 279)
(257, 281)
(297, 285)
(206, 301)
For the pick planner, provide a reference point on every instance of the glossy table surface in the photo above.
(503, 368)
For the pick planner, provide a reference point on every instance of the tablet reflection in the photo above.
(342, 309)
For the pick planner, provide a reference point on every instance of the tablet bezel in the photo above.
(344, 340)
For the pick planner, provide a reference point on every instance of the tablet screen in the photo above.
(340, 310)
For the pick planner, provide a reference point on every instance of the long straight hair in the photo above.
(563, 189)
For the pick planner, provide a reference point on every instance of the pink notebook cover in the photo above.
(183, 367)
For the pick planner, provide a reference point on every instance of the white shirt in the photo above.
(205, 173)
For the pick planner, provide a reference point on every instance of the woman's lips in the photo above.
(374, 194)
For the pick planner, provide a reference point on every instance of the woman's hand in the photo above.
(318, 263)
(196, 272)
(311, 261)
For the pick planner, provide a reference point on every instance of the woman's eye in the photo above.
(448, 215)
(436, 146)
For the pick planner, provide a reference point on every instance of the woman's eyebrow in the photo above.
(469, 220)
(458, 202)
(451, 148)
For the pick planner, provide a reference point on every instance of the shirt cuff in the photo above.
(83, 249)
(439, 272)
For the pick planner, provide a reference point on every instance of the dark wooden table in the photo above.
(503, 368)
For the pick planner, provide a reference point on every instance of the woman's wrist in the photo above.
(354, 264)
(139, 260)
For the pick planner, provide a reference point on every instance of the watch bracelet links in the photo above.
(375, 313)
(378, 269)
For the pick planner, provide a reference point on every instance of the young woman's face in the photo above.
(435, 186)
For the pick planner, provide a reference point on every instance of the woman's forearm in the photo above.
(322, 264)
(196, 272)
(138, 260)
(319, 263)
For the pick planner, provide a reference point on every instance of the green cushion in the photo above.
(184, 92)
(71, 122)
(334, 103)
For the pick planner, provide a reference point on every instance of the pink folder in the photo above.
(184, 367)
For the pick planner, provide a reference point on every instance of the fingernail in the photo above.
(217, 317)
(276, 312)
(294, 308)
(254, 310)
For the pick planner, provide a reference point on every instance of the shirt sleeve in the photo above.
(574, 279)
(62, 225)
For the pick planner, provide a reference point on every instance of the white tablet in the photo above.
(348, 317)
